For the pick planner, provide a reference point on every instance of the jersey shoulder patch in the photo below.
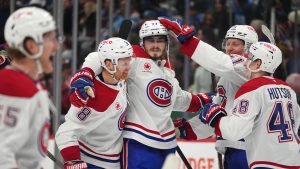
(104, 97)
(17, 84)
(256, 83)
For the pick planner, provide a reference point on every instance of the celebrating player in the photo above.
(153, 93)
(24, 105)
(91, 136)
(233, 73)
(4, 59)
(265, 113)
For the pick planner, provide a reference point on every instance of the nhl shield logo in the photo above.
(159, 91)
(44, 138)
(121, 121)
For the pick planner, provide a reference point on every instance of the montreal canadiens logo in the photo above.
(121, 121)
(44, 138)
(159, 91)
(2, 59)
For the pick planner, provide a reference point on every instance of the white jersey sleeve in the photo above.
(93, 62)
(240, 122)
(215, 61)
(73, 127)
(183, 99)
(201, 130)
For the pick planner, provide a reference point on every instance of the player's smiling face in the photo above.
(155, 46)
(234, 46)
(124, 65)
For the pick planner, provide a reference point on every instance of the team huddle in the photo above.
(123, 96)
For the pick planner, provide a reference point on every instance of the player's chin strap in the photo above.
(36, 56)
(168, 51)
(114, 78)
(39, 66)
(253, 71)
(112, 72)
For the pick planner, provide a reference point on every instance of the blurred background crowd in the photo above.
(210, 18)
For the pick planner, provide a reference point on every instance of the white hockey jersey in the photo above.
(267, 115)
(232, 73)
(153, 93)
(24, 120)
(93, 133)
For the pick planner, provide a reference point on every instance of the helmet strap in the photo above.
(252, 71)
(39, 66)
(32, 56)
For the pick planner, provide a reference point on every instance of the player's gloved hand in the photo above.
(183, 32)
(81, 88)
(205, 98)
(185, 129)
(75, 164)
(211, 114)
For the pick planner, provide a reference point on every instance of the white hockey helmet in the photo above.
(269, 54)
(152, 28)
(28, 22)
(113, 49)
(245, 33)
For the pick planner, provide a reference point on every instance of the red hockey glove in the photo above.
(205, 98)
(211, 114)
(75, 164)
(185, 129)
(183, 32)
(81, 88)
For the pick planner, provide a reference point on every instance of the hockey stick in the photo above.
(214, 89)
(185, 161)
(57, 162)
(266, 31)
(50, 155)
(125, 29)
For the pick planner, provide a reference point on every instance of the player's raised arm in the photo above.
(224, 65)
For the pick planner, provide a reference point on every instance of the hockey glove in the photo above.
(81, 88)
(211, 114)
(75, 164)
(205, 98)
(183, 32)
(185, 129)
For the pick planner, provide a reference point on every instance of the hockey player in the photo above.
(232, 72)
(24, 105)
(153, 93)
(91, 135)
(265, 114)
(4, 59)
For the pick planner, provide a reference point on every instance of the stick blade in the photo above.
(266, 31)
(125, 29)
